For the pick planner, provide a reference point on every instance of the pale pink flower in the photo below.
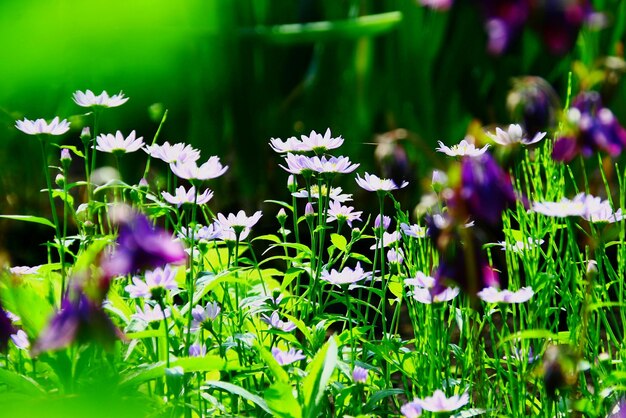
(373, 183)
(174, 153)
(189, 170)
(117, 143)
(39, 126)
(182, 196)
(89, 99)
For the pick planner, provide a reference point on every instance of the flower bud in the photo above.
(60, 180)
(281, 216)
(308, 210)
(65, 156)
(85, 135)
(292, 184)
(439, 180)
(385, 223)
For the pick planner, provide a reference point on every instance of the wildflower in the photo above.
(427, 296)
(590, 128)
(203, 317)
(79, 319)
(149, 314)
(464, 148)
(89, 99)
(420, 280)
(275, 322)
(174, 153)
(438, 402)
(520, 246)
(182, 196)
(514, 135)
(65, 156)
(619, 410)
(23, 270)
(386, 221)
(484, 193)
(388, 239)
(589, 207)
(330, 165)
(338, 212)
(437, 4)
(308, 210)
(561, 209)
(238, 222)
(118, 144)
(346, 276)
(287, 357)
(292, 144)
(411, 409)
(140, 246)
(157, 282)
(493, 295)
(39, 126)
(227, 233)
(439, 180)
(6, 328)
(395, 256)
(189, 169)
(359, 374)
(414, 231)
(320, 144)
(197, 350)
(206, 233)
(373, 183)
(20, 339)
(297, 164)
(335, 193)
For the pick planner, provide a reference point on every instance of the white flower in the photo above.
(240, 220)
(373, 183)
(171, 154)
(590, 208)
(493, 295)
(514, 135)
(336, 211)
(521, 246)
(388, 239)
(424, 295)
(117, 143)
(39, 126)
(440, 403)
(464, 148)
(182, 196)
(335, 193)
(189, 170)
(345, 276)
(420, 280)
(291, 144)
(23, 270)
(318, 143)
(414, 231)
(330, 165)
(89, 99)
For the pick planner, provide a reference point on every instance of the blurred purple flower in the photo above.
(20, 339)
(533, 102)
(438, 402)
(140, 246)
(359, 374)
(197, 350)
(6, 329)
(592, 128)
(411, 409)
(79, 320)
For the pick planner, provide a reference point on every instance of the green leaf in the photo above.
(26, 218)
(319, 372)
(370, 25)
(237, 390)
(339, 241)
(280, 399)
(20, 383)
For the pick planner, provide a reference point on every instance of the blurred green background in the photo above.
(234, 74)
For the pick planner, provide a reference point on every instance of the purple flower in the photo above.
(395, 256)
(20, 339)
(534, 103)
(359, 374)
(275, 322)
(437, 4)
(485, 191)
(157, 282)
(504, 21)
(79, 320)
(197, 350)
(592, 128)
(203, 317)
(384, 224)
(287, 357)
(297, 164)
(6, 329)
(411, 409)
(140, 246)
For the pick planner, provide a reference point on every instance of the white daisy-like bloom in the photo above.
(562, 209)
(330, 165)
(336, 193)
(226, 233)
(182, 196)
(514, 135)
(240, 220)
(345, 276)
(425, 296)
(373, 183)
(599, 210)
(287, 357)
(291, 144)
(149, 314)
(493, 295)
(336, 211)
(520, 246)
(39, 126)
(89, 99)
(20, 339)
(274, 321)
(318, 143)
(388, 239)
(118, 144)
(174, 153)
(590, 208)
(440, 403)
(414, 231)
(296, 164)
(23, 270)
(189, 170)
(420, 280)
(464, 148)
(395, 256)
